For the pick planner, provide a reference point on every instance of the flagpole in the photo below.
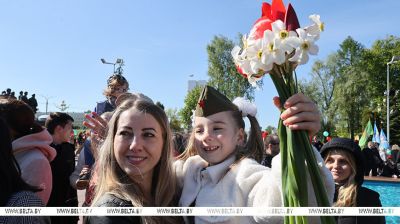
(387, 102)
(394, 59)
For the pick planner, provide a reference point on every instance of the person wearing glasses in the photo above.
(271, 147)
(116, 85)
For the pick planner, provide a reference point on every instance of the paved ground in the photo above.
(81, 199)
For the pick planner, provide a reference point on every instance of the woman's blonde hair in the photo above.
(347, 196)
(253, 147)
(113, 180)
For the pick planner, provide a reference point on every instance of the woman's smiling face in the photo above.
(339, 166)
(138, 144)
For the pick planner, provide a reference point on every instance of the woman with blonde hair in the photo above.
(136, 163)
(343, 157)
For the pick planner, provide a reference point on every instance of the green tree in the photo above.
(174, 120)
(190, 104)
(222, 70)
(375, 64)
(320, 88)
(351, 98)
(271, 129)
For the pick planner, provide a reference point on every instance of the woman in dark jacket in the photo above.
(344, 159)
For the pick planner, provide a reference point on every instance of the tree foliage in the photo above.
(349, 86)
(174, 120)
(375, 64)
(321, 87)
(222, 70)
(190, 105)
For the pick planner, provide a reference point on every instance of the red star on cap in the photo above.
(201, 103)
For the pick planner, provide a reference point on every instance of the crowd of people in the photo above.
(23, 96)
(131, 158)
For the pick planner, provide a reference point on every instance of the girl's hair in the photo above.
(253, 147)
(20, 118)
(112, 179)
(10, 172)
(347, 192)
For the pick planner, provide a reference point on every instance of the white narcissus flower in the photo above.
(253, 80)
(254, 54)
(304, 45)
(316, 19)
(281, 35)
(239, 58)
(271, 50)
(316, 28)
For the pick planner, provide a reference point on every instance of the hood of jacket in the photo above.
(40, 141)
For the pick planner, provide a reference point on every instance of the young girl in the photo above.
(220, 169)
(343, 157)
(135, 160)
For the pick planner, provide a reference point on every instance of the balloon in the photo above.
(328, 139)
(326, 134)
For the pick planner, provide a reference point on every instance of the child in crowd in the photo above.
(219, 169)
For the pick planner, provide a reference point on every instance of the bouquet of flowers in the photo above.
(277, 45)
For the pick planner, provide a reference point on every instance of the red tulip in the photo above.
(271, 13)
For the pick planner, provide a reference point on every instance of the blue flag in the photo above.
(376, 137)
(384, 143)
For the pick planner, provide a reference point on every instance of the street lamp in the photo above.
(394, 59)
(47, 100)
(118, 61)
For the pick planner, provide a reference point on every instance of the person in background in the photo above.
(271, 147)
(396, 156)
(14, 191)
(31, 145)
(317, 143)
(372, 158)
(343, 157)
(59, 126)
(21, 94)
(389, 169)
(178, 143)
(116, 85)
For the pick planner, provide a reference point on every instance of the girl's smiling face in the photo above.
(217, 136)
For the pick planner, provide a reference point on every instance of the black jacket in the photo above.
(62, 193)
(365, 198)
(109, 200)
